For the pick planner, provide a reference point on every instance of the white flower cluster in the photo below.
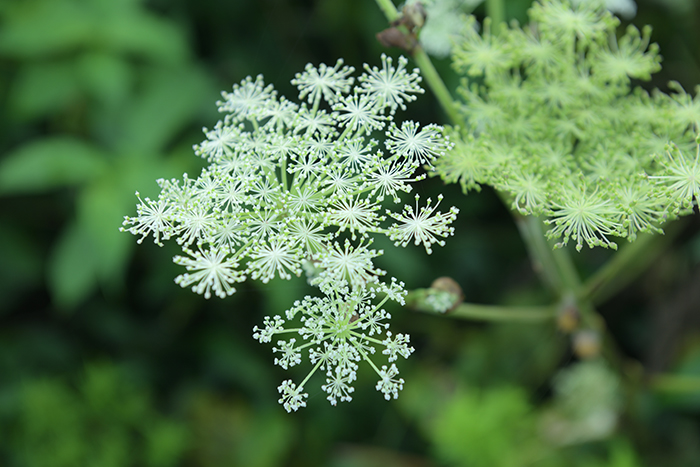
(301, 187)
(338, 331)
(285, 180)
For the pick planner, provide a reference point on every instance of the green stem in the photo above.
(675, 383)
(427, 69)
(308, 377)
(627, 264)
(503, 313)
(415, 300)
(565, 265)
(436, 84)
(555, 266)
(388, 9)
(539, 250)
(495, 9)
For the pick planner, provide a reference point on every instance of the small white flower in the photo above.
(197, 223)
(397, 346)
(391, 176)
(290, 354)
(351, 263)
(388, 384)
(337, 386)
(419, 147)
(422, 226)
(681, 175)
(391, 87)
(358, 112)
(220, 142)
(277, 256)
(292, 397)
(440, 300)
(210, 270)
(354, 215)
(324, 81)
(154, 217)
(246, 99)
(340, 180)
(312, 122)
(272, 326)
(356, 154)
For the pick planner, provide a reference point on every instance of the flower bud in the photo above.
(586, 344)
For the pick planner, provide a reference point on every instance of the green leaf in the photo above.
(40, 28)
(170, 100)
(44, 88)
(494, 427)
(72, 268)
(166, 442)
(35, 29)
(101, 207)
(107, 77)
(138, 32)
(49, 163)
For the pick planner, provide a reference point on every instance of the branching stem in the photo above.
(627, 264)
(484, 312)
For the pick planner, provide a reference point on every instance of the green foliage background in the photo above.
(105, 361)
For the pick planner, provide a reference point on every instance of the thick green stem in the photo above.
(495, 9)
(436, 84)
(542, 260)
(554, 266)
(388, 9)
(627, 264)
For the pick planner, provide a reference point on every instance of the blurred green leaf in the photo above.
(166, 441)
(50, 425)
(41, 28)
(111, 397)
(43, 88)
(72, 268)
(486, 428)
(38, 28)
(101, 207)
(134, 30)
(167, 103)
(108, 420)
(107, 77)
(228, 433)
(49, 163)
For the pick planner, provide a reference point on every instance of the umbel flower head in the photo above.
(557, 126)
(336, 332)
(286, 180)
(302, 186)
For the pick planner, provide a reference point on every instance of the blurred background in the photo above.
(104, 361)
